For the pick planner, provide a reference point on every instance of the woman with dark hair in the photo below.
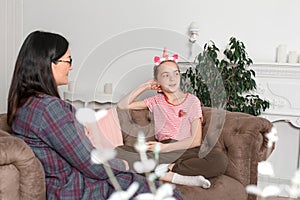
(48, 125)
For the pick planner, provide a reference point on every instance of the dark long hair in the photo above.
(33, 72)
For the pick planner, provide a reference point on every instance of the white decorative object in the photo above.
(281, 54)
(292, 57)
(108, 88)
(194, 32)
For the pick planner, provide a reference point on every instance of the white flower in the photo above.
(161, 170)
(144, 166)
(125, 195)
(101, 114)
(152, 177)
(293, 191)
(143, 196)
(272, 137)
(164, 192)
(87, 115)
(265, 168)
(140, 144)
(296, 178)
(156, 150)
(268, 191)
(102, 156)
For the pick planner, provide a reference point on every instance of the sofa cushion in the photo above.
(3, 123)
(134, 121)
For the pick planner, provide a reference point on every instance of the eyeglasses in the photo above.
(66, 61)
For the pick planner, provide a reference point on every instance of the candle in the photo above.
(292, 57)
(281, 54)
(108, 88)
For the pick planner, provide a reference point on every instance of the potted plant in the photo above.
(225, 82)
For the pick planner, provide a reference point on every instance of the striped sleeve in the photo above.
(150, 102)
(196, 111)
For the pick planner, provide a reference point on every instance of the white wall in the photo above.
(105, 43)
(10, 39)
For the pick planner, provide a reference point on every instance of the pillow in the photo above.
(134, 121)
(110, 127)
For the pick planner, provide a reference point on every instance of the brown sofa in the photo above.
(21, 173)
(242, 138)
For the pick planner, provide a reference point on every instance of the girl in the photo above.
(177, 119)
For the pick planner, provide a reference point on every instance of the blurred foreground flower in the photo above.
(294, 189)
(101, 156)
(144, 166)
(265, 168)
(159, 171)
(272, 137)
(296, 178)
(164, 192)
(125, 195)
(268, 191)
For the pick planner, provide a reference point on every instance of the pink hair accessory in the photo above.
(165, 57)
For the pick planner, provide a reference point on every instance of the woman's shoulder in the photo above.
(45, 101)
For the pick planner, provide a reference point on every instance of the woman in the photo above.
(48, 124)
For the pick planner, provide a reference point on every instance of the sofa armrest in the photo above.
(14, 151)
(242, 138)
(3, 123)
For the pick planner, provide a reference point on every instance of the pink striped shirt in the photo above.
(173, 121)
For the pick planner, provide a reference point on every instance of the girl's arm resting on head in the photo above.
(128, 102)
(67, 137)
(187, 143)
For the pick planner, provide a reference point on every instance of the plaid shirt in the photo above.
(48, 125)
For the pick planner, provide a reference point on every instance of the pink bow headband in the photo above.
(158, 60)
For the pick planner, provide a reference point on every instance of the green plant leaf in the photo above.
(210, 75)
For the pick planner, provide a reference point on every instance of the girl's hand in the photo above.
(151, 145)
(153, 85)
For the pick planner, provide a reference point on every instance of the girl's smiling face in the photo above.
(168, 77)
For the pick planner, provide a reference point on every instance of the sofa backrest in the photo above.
(241, 136)
(3, 123)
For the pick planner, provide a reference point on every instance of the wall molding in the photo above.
(279, 83)
(277, 70)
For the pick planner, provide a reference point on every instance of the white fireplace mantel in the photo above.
(280, 84)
